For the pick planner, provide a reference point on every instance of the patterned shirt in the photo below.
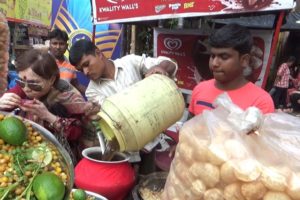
(283, 76)
(128, 70)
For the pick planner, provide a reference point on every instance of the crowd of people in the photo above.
(49, 93)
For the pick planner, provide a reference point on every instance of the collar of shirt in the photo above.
(117, 68)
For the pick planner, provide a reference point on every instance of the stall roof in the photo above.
(291, 21)
(265, 21)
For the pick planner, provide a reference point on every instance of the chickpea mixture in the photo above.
(20, 164)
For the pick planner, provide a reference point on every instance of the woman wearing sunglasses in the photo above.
(44, 98)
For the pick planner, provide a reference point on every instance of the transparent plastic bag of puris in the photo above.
(231, 154)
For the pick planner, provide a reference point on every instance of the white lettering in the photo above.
(133, 6)
(174, 6)
(164, 52)
(109, 9)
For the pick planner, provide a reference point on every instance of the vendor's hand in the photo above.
(91, 111)
(9, 101)
(156, 70)
(37, 109)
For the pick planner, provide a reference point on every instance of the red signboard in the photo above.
(116, 11)
(184, 45)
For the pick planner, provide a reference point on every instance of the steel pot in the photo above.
(65, 155)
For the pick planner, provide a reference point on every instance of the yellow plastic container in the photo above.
(138, 114)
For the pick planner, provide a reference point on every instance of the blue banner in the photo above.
(75, 17)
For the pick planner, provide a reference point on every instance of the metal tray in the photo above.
(66, 158)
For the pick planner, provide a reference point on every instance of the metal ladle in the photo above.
(101, 142)
(106, 148)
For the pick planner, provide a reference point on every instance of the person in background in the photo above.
(57, 47)
(48, 100)
(109, 77)
(281, 83)
(294, 86)
(229, 55)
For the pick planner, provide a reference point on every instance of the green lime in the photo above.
(42, 154)
(79, 194)
(13, 131)
(48, 186)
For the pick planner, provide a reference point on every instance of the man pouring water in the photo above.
(108, 77)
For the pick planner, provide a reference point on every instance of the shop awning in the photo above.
(117, 11)
(264, 21)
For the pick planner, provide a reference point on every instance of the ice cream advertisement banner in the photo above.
(190, 49)
(116, 11)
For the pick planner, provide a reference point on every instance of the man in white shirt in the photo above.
(108, 77)
(112, 76)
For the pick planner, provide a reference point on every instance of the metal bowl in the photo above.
(66, 157)
(153, 182)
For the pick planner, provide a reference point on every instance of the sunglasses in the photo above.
(33, 86)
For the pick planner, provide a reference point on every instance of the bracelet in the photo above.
(54, 124)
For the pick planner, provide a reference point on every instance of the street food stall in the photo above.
(219, 163)
(178, 43)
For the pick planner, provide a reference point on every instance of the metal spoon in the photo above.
(101, 141)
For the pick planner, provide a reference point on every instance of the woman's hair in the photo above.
(41, 62)
(232, 36)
